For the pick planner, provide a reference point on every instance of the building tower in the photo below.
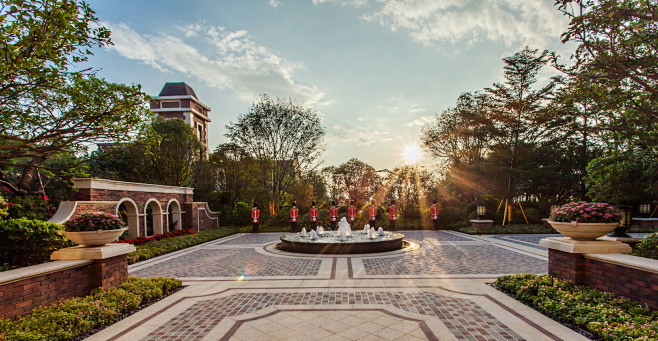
(178, 100)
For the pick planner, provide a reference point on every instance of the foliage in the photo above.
(510, 229)
(282, 136)
(585, 212)
(411, 187)
(647, 247)
(75, 317)
(160, 247)
(94, 221)
(144, 240)
(4, 207)
(25, 242)
(354, 179)
(623, 177)
(606, 315)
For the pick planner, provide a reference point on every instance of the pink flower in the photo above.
(586, 215)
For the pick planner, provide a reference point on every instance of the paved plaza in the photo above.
(242, 288)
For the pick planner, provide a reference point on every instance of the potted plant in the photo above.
(93, 229)
(585, 221)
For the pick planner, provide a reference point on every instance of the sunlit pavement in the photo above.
(242, 288)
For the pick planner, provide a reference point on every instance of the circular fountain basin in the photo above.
(328, 243)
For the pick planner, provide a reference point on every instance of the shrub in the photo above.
(144, 240)
(606, 315)
(159, 247)
(647, 247)
(75, 317)
(25, 242)
(94, 222)
(585, 212)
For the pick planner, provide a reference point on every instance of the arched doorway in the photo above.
(127, 211)
(174, 216)
(152, 218)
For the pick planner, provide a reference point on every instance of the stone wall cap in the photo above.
(114, 185)
(645, 219)
(640, 263)
(15, 275)
(98, 252)
(481, 221)
(566, 244)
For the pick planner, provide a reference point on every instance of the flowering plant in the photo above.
(93, 222)
(584, 212)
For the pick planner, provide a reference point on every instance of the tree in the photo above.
(616, 62)
(410, 187)
(355, 179)
(283, 136)
(47, 106)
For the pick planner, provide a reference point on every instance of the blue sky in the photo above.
(375, 70)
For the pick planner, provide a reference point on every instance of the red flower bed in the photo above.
(144, 240)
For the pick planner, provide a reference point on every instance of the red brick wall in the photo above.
(20, 297)
(638, 285)
(566, 266)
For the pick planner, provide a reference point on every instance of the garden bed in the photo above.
(604, 315)
(75, 318)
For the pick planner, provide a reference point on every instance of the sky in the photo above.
(375, 70)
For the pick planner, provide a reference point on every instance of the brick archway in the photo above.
(101, 195)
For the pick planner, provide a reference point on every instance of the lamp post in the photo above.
(481, 210)
(624, 222)
(645, 209)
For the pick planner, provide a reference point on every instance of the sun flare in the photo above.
(412, 154)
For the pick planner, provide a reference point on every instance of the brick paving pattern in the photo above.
(464, 318)
(456, 259)
(434, 236)
(230, 263)
(258, 238)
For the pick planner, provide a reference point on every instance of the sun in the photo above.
(412, 154)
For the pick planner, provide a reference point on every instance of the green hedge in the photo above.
(160, 247)
(606, 315)
(510, 229)
(25, 242)
(79, 316)
(647, 247)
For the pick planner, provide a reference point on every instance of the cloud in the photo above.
(275, 3)
(421, 121)
(360, 134)
(467, 22)
(224, 59)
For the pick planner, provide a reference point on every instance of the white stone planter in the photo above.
(93, 238)
(583, 231)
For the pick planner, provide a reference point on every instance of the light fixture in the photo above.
(481, 211)
(624, 222)
(554, 207)
(645, 209)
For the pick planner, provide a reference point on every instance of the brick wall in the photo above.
(20, 297)
(638, 285)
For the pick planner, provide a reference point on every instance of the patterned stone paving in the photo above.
(259, 238)
(464, 318)
(455, 259)
(435, 236)
(230, 263)
(335, 325)
(531, 240)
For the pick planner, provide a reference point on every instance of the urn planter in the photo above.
(93, 238)
(583, 231)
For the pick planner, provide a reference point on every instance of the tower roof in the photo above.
(177, 89)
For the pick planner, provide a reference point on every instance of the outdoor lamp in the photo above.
(553, 208)
(645, 209)
(481, 210)
(624, 222)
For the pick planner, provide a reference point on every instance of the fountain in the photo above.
(342, 241)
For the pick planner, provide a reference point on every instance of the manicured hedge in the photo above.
(605, 315)
(510, 229)
(25, 242)
(647, 247)
(79, 316)
(160, 247)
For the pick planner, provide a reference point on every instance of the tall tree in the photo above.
(284, 136)
(46, 105)
(355, 179)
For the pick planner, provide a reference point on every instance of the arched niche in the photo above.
(174, 218)
(127, 210)
(152, 218)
